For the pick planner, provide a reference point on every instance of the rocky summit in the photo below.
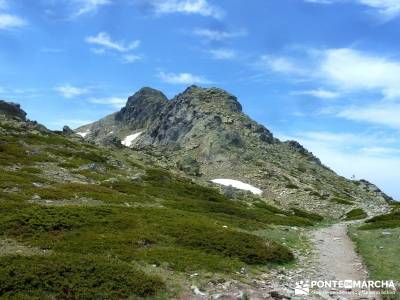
(204, 133)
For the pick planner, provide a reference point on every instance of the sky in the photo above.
(323, 72)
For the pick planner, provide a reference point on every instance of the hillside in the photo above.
(205, 134)
(81, 221)
(87, 221)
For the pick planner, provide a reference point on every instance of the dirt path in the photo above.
(332, 258)
(336, 259)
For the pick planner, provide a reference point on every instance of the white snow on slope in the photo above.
(130, 138)
(238, 184)
(83, 134)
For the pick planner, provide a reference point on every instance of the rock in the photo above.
(196, 291)
(386, 233)
(142, 108)
(36, 197)
(111, 140)
(189, 165)
(277, 295)
(13, 110)
(67, 131)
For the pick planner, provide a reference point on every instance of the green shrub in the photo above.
(31, 220)
(341, 201)
(246, 247)
(186, 260)
(391, 220)
(67, 277)
(308, 215)
(291, 186)
(355, 214)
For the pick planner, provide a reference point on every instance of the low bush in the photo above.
(391, 220)
(308, 215)
(67, 277)
(229, 243)
(355, 214)
(342, 201)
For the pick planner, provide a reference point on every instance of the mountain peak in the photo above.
(146, 94)
(215, 98)
(142, 107)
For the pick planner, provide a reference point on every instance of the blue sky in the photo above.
(324, 72)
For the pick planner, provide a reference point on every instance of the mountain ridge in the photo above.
(204, 133)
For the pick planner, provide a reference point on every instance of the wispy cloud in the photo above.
(69, 91)
(345, 69)
(218, 35)
(188, 7)
(8, 21)
(89, 6)
(386, 8)
(222, 54)
(182, 78)
(112, 101)
(281, 64)
(318, 93)
(104, 40)
(131, 58)
(381, 113)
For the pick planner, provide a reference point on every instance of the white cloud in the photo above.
(344, 69)
(382, 113)
(219, 35)
(199, 7)
(318, 93)
(182, 78)
(131, 58)
(380, 151)
(353, 70)
(69, 91)
(386, 8)
(103, 39)
(281, 64)
(89, 6)
(222, 54)
(8, 21)
(113, 101)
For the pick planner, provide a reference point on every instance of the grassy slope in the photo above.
(378, 241)
(97, 216)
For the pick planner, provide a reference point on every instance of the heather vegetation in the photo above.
(102, 219)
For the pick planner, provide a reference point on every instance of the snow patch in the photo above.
(130, 138)
(238, 184)
(83, 134)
